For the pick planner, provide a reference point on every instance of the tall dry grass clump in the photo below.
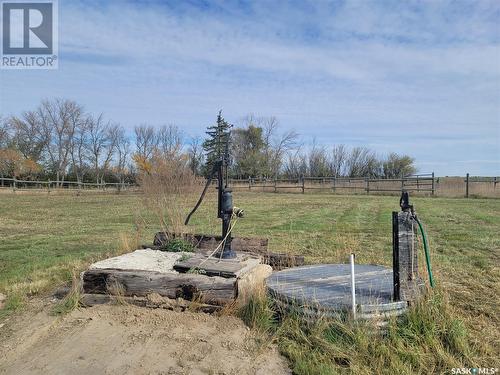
(168, 185)
(429, 339)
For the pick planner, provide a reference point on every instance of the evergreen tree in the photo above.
(217, 145)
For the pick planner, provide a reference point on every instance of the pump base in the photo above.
(227, 254)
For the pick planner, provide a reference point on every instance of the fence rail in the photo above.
(15, 184)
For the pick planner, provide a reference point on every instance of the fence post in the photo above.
(249, 183)
(402, 182)
(14, 184)
(275, 181)
(432, 183)
(467, 185)
(368, 185)
(334, 183)
(303, 185)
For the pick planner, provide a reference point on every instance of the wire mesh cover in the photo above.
(328, 285)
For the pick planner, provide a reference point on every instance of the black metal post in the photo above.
(395, 256)
(467, 186)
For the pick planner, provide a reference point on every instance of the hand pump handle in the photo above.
(209, 181)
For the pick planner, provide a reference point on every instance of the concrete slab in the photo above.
(142, 260)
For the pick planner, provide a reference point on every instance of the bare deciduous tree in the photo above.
(123, 154)
(79, 149)
(275, 145)
(318, 161)
(296, 164)
(102, 140)
(5, 132)
(338, 160)
(363, 162)
(169, 139)
(146, 141)
(195, 154)
(29, 137)
(58, 119)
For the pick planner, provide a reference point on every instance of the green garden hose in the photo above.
(426, 250)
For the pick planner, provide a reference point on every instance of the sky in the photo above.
(419, 78)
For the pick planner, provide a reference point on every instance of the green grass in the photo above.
(45, 239)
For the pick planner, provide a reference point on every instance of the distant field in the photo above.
(44, 238)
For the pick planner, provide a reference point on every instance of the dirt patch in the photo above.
(133, 340)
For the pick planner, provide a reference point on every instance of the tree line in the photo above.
(60, 140)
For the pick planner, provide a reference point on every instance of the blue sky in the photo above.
(421, 78)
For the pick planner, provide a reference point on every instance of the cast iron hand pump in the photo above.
(218, 160)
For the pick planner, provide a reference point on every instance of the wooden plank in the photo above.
(212, 290)
(88, 300)
(217, 267)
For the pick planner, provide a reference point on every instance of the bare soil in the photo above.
(124, 339)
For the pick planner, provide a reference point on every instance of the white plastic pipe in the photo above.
(353, 287)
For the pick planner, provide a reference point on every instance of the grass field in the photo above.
(46, 239)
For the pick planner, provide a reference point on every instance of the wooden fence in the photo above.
(423, 183)
(470, 181)
(15, 184)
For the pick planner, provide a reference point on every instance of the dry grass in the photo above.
(71, 301)
(168, 184)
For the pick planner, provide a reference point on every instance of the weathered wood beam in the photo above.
(212, 290)
(88, 300)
